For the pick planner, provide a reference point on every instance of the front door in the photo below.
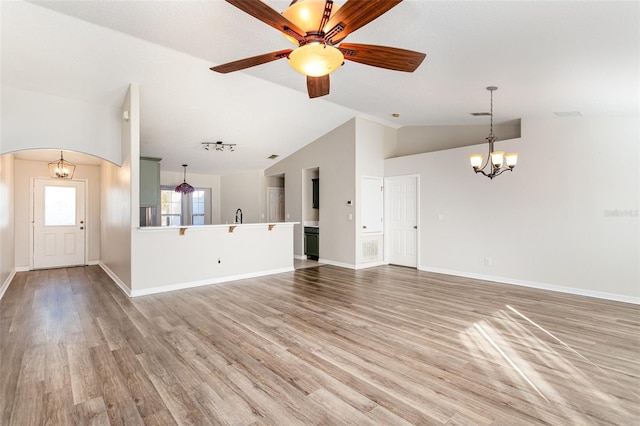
(58, 223)
(403, 220)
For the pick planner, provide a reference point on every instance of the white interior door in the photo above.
(275, 204)
(58, 223)
(403, 220)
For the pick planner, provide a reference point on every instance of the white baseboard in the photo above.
(22, 269)
(5, 284)
(541, 286)
(93, 262)
(116, 279)
(369, 265)
(191, 284)
(339, 264)
(299, 257)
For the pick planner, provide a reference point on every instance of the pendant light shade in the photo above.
(61, 169)
(184, 187)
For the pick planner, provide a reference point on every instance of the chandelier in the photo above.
(497, 158)
(184, 187)
(219, 146)
(61, 169)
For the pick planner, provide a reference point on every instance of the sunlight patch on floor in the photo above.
(509, 360)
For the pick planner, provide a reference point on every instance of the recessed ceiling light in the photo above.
(568, 113)
(395, 115)
(480, 114)
(273, 156)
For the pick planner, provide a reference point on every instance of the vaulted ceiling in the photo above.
(545, 57)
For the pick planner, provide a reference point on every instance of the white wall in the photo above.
(246, 191)
(24, 171)
(334, 155)
(420, 139)
(120, 197)
(566, 218)
(199, 181)
(7, 269)
(32, 120)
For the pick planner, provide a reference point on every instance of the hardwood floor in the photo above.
(321, 345)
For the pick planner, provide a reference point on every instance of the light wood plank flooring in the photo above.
(321, 345)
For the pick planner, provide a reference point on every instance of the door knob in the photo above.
(415, 226)
(82, 221)
(364, 226)
(82, 227)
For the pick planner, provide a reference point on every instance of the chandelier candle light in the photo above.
(184, 187)
(61, 169)
(497, 157)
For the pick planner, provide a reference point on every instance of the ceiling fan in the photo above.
(318, 28)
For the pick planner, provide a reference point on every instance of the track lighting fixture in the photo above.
(219, 146)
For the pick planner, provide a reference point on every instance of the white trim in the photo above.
(22, 269)
(541, 286)
(339, 264)
(199, 283)
(370, 264)
(300, 257)
(5, 284)
(115, 279)
(93, 262)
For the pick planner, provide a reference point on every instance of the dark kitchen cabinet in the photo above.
(312, 242)
(316, 193)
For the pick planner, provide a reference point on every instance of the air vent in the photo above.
(369, 251)
(273, 156)
(480, 114)
(568, 114)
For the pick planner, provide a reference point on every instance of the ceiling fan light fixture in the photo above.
(316, 59)
(307, 15)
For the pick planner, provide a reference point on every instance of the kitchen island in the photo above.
(174, 258)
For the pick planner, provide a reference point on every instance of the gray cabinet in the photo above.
(312, 242)
(149, 182)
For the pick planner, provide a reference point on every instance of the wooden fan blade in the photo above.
(390, 58)
(355, 14)
(251, 62)
(266, 14)
(318, 86)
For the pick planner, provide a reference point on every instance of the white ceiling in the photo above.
(544, 56)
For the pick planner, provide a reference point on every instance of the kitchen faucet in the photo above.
(239, 212)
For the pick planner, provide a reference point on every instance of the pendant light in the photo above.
(496, 158)
(184, 187)
(61, 169)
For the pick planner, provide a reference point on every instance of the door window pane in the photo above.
(170, 208)
(177, 209)
(197, 207)
(59, 206)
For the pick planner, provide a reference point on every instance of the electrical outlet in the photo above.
(487, 261)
